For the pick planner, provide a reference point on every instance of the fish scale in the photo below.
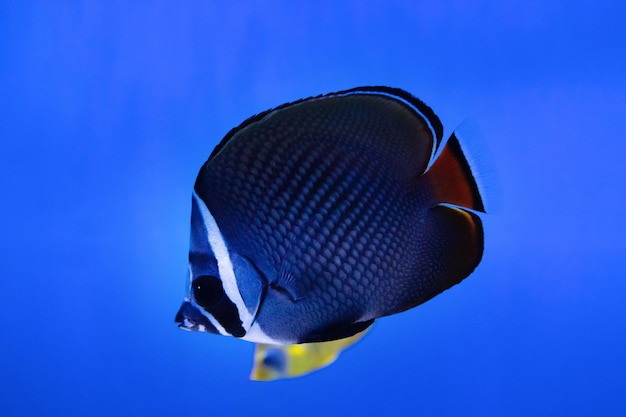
(325, 188)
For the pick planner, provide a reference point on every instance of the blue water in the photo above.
(108, 109)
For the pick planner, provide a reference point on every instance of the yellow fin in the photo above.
(273, 362)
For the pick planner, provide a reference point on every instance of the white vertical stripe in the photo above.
(224, 265)
(257, 335)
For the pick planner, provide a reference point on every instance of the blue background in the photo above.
(108, 109)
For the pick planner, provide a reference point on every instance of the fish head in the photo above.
(224, 290)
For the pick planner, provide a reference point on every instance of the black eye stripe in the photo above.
(209, 294)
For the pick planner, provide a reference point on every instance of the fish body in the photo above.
(273, 362)
(311, 220)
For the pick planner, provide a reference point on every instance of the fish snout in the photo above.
(190, 318)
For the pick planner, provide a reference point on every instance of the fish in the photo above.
(273, 362)
(312, 219)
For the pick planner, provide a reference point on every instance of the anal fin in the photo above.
(458, 249)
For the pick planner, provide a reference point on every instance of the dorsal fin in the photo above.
(415, 104)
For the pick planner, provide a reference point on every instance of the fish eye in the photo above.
(275, 359)
(207, 290)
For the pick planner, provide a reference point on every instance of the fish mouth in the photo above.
(190, 318)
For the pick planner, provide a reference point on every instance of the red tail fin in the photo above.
(452, 178)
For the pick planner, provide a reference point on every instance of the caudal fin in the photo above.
(452, 179)
(454, 229)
